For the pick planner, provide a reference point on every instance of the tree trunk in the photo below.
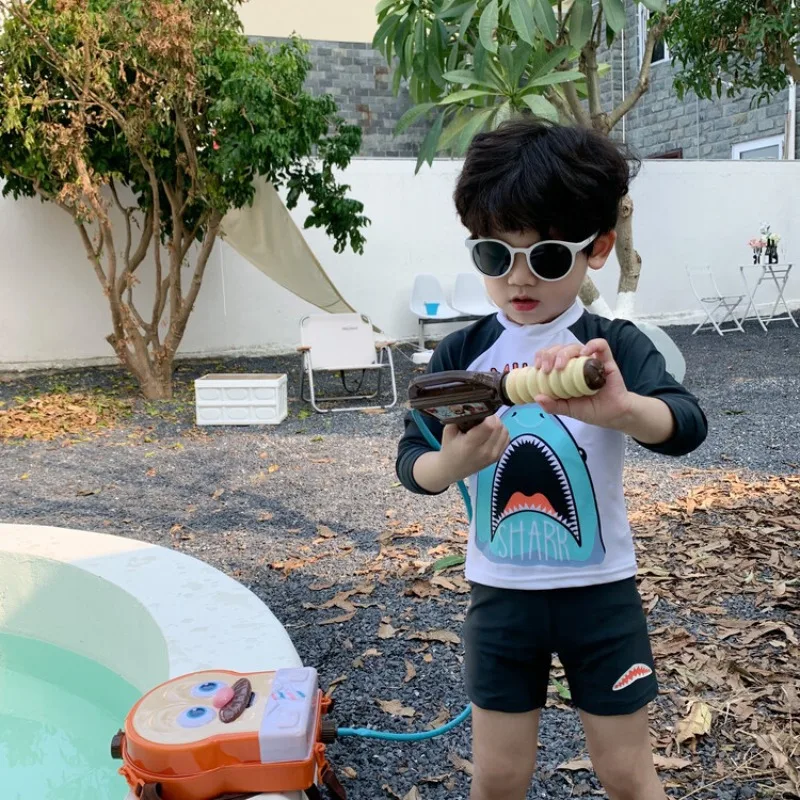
(592, 299)
(630, 262)
(152, 370)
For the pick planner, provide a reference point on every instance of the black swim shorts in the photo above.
(599, 633)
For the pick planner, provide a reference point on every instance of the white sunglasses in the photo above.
(549, 260)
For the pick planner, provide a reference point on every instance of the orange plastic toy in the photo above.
(217, 733)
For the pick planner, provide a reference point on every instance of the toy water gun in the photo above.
(225, 735)
(465, 398)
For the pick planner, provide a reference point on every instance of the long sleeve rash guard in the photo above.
(551, 512)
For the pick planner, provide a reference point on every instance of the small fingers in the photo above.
(556, 357)
(566, 354)
(597, 348)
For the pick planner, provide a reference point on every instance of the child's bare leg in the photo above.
(622, 756)
(503, 754)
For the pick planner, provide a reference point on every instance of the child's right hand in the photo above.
(464, 454)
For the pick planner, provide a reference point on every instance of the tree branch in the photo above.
(643, 83)
(178, 324)
(190, 239)
(151, 336)
(175, 251)
(790, 60)
(191, 151)
(126, 212)
(93, 255)
(144, 241)
(578, 111)
(592, 73)
(561, 106)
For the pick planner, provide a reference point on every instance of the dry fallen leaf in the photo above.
(697, 723)
(413, 794)
(436, 636)
(217, 494)
(265, 516)
(435, 778)
(396, 708)
(334, 683)
(325, 532)
(440, 719)
(386, 631)
(665, 762)
(321, 586)
(411, 672)
(461, 764)
(341, 618)
(576, 764)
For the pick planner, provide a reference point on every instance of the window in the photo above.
(660, 51)
(677, 153)
(758, 149)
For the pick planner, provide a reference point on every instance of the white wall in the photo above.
(52, 311)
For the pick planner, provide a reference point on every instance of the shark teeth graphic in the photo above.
(632, 674)
(531, 474)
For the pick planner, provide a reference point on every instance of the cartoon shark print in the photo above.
(537, 504)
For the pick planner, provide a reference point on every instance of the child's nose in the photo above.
(520, 274)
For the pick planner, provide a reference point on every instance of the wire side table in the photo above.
(779, 275)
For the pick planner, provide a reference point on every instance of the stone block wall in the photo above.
(360, 81)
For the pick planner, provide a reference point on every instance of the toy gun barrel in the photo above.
(465, 398)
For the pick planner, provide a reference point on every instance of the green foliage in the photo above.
(95, 90)
(727, 46)
(471, 65)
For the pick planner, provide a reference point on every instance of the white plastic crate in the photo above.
(240, 399)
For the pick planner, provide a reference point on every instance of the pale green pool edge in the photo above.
(71, 608)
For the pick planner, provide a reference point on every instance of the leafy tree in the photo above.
(733, 45)
(146, 121)
(471, 65)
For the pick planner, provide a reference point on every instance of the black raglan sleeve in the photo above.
(645, 372)
(412, 445)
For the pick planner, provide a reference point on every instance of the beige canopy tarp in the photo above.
(267, 236)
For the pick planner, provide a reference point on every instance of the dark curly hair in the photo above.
(531, 174)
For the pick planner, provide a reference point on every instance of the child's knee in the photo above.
(502, 775)
(629, 779)
(502, 778)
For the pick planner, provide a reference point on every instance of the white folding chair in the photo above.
(343, 343)
(427, 289)
(469, 296)
(712, 301)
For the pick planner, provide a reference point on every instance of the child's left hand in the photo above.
(611, 407)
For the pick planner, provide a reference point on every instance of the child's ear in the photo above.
(601, 249)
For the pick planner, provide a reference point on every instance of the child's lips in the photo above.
(524, 303)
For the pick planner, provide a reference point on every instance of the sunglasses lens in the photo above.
(491, 258)
(551, 261)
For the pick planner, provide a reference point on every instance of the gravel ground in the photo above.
(248, 501)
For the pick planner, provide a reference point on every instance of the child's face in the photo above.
(527, 300)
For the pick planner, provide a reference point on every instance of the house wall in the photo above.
(344, 65)
(328, 20)
(660, 122)
(52, 311)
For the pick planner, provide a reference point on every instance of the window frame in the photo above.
(756, 144)
(643, 17)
